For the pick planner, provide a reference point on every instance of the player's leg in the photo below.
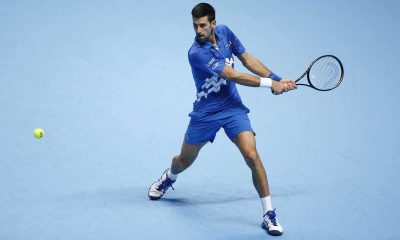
(246, 143)
(179, 163)
(197, 135)
(239, 130)
(188, 154)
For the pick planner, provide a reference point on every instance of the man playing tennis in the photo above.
(218, 104)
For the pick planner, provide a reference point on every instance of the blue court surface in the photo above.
(110, 84)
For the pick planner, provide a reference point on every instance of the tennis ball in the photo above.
(38, 133)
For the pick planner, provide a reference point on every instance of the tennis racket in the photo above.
(324, 73)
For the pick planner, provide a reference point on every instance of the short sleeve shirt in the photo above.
(207, 61)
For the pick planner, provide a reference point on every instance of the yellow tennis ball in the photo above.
(38, 133)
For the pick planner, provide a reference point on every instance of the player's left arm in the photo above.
(253, 81)
(257, 67)
(254, 65)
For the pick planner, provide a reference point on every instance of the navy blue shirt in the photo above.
(214, 94)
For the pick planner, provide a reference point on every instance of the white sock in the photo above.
(172, 176)
(266, 204)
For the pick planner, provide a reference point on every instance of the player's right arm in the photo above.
(252, 81)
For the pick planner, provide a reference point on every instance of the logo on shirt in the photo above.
(215, 66)
(211, 85)
(229, 61)
(211, 62)
(228, 45)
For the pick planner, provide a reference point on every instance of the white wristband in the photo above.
(266, 82)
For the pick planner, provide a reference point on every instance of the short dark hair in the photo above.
(202, 10)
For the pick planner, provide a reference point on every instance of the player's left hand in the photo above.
(289, 85)
(286, 85)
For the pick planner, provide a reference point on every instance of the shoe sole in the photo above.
(273, 232)
(154, 198)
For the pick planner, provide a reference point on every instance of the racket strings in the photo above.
(325, 73)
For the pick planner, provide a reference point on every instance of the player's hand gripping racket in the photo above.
(324, 73)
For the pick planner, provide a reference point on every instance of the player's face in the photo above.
(203, 28)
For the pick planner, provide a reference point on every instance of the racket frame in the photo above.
(307, 72)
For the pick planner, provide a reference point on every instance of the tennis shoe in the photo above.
(271, 225)
(158, 188)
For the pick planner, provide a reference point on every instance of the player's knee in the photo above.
(252, 159)
(251, 155)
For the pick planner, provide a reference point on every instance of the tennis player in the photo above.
(218, 105)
